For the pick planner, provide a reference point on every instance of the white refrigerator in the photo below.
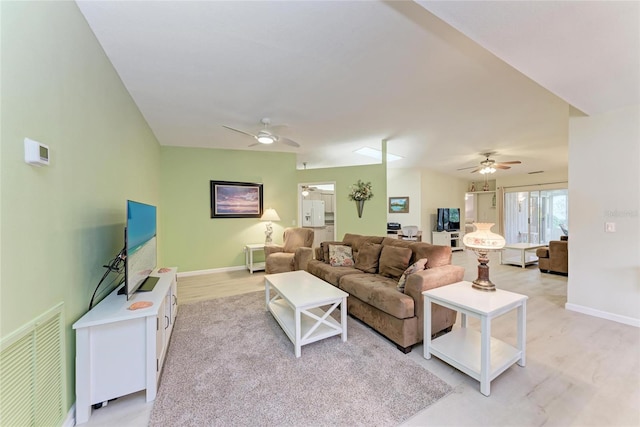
(313, 213)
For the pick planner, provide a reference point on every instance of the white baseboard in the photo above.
(211, 270)
(70, 421)
(603, 314)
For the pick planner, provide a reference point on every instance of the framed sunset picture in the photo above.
(236, 199)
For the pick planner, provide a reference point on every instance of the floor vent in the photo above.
(32, 373)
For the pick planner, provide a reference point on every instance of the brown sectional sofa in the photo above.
(373, 294)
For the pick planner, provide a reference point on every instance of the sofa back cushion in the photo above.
(356, 240)
(394, 260)
(368, 257)
(436, 254)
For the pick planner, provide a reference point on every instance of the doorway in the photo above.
(317, 210)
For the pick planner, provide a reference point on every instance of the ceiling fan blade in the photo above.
(254, 144)
(515, 162)
(500, 166)
(288, 141)
(476, 170)
(470, 167)
(241, 131)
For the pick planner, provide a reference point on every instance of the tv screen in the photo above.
(448, 219)
(141, 247)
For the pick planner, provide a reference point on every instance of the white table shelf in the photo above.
(248, 257)
(477, 354)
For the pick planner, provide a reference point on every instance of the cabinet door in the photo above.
(161, 336)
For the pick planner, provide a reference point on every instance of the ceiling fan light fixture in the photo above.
(266, 139)
(487, 169)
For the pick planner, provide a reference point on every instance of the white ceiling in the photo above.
(342, 75)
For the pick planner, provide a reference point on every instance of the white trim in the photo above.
(70, 421)
(603, 314)
(210, 271)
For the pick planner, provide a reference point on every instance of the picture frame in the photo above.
(230, 199)
(398, 205)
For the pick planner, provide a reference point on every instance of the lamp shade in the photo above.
(483, 238)
(270, 215)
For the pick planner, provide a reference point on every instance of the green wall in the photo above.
(191, 239)
(61, 223)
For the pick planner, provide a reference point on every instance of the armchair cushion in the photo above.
(293, 254)
(295, 238)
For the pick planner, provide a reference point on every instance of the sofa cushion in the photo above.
(340, 256)
(421, 264)
(329, 274)
(325, 250)
(368, 257)
(379, 292)
(436, 254)
(394, 261)
(356, 241)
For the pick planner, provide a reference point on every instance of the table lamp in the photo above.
(269, 215)
(482, 241)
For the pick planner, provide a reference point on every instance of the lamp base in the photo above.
(483, 285)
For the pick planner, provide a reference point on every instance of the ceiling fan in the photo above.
(265, 136)
(490, 166)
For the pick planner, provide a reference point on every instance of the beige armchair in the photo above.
(293, 255)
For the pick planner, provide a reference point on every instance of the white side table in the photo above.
(248, 257)
(475, 353)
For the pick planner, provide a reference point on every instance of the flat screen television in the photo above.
(448, 219)
(140, 242)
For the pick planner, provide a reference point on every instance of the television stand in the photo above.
(121, 351)
(448, 238)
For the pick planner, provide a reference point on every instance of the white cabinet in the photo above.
(448, 238)
(121, 351)
(328, 201)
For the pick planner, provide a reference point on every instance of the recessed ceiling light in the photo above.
(377, 154)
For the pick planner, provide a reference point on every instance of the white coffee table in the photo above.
(296, 305)
(524, 259)
(475, 353)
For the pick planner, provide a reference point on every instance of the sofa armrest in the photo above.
(542, 252)
(272, 249)
(302, 257)
(430, 278)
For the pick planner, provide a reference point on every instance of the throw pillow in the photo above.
(394, 261)
(368, 257)
(325, 249)
(340, 256)
(420, 264)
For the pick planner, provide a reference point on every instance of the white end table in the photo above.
(475, 353)
(248, 257)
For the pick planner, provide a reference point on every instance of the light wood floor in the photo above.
(581, 370)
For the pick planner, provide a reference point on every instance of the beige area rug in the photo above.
(230, 364)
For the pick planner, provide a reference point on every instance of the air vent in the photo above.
(32, 374)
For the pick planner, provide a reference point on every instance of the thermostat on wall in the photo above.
(36, 153)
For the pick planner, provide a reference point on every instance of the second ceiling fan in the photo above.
(265, 136)
(490, 166)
